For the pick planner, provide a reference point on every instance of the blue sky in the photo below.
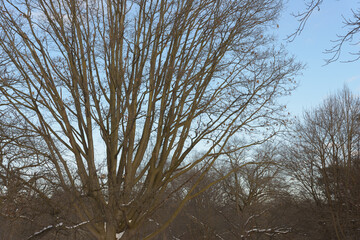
(318, 81)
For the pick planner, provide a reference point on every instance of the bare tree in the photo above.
(136, 87)
(249, 204)
(326, 160)
(253, 192)
(252, 183)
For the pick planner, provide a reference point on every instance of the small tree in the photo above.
(140, 85)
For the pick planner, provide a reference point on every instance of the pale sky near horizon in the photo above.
(318, 81)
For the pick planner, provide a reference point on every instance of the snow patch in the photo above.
(55, 226)
(44, 230)
(127, 204)
(77, 225)
(119, 235)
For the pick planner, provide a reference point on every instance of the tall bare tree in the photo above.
(136, 86)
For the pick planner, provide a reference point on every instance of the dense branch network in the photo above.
(140, 85)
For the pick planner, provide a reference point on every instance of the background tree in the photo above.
(324, 160)
(250, 204)
(136, 87)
